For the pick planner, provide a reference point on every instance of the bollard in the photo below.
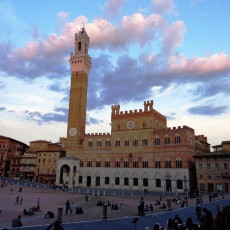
(104, 212)
(122, 193)
(104, 192)
(60, 212)
(160, 197)
(169, 207)
(200, 199)
(185, 201)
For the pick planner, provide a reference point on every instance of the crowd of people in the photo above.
(205, 221)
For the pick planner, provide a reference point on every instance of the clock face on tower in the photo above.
(130, 125)
(73, 132)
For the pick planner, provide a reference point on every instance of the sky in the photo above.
(174, 52)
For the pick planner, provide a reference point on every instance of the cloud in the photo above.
(60, 115)
(173, 37)
(214, 87)
(208, 110)
(163, 6)
(2, 108)
(118, 75)
(93, 121)
(113, 7)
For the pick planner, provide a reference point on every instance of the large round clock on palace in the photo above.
(73, 132)
(130, 124)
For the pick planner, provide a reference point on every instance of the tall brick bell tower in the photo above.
(80, 63)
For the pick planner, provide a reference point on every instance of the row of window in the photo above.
(134, 163)
(210, 166)
(126, 182)
(134, 142)
(218, 177)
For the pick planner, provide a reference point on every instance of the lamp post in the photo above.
(185, 193)
(185, 185)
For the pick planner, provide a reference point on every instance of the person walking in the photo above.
(21, 200)
(67, 206)
(141, 207)
(17, 200)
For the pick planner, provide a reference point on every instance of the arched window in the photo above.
(158, 163)
(178, 162)
(144, 142)
(135, 142)
(126, 181)
(117, 181)
(107, 143)
(167, 163)
(179, 184)
(99, 143)
(145, 182)
(135, 163)
(158, 183)
(90, 143)
(79, 46)
(118, 143)
(89, 163)
(106, 180)
(107, 163)
(167, 140)
(117, 163)
(135, 181)
(157, 140)
(177, 139)
(126, 142)
(126, 163)
(145, 163)
(98, 163)
(80, 179)
(98, 181)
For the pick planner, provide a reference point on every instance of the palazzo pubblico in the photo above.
(140, 153)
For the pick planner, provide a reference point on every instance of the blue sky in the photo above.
(174, 52)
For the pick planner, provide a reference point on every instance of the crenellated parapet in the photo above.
(148, 107)
(178, 128)
(98, 134)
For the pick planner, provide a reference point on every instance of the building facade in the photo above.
(213, 169)
(140, 153)
(39, 163)
(11, 151)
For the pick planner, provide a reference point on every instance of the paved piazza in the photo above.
(92, 217)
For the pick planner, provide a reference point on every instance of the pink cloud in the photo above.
(173, 36)
(163, 6)
(202, 65)
(113, 7)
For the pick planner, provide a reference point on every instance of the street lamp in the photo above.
(185, 185)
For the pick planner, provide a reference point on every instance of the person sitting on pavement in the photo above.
(163, 206)
(49, 215)
(17, 222)
(150, 207)
(157, 202)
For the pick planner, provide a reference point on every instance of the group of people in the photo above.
(205, 221)
(116, 207)
(19, 200)
(69, 208)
